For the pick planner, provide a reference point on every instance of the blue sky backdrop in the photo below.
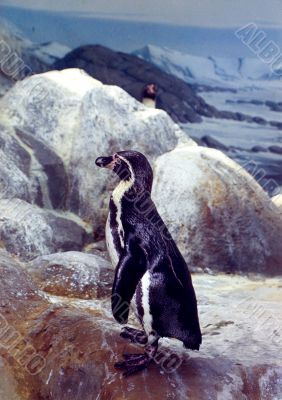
(205, 13)
(205, 28)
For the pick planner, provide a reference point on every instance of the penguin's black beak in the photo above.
(103, 161)
(107, 162)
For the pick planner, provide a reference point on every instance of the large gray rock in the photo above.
(85, 119)
(219, 216)
(29, 231)
(73, 274)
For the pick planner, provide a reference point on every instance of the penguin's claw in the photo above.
(134, 335)
(133, 363)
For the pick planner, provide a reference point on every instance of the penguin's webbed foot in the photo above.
(133, 363)
(134, 335)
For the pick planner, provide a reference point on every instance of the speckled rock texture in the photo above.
(28, 231)
(219, 216)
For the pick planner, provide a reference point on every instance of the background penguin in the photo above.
(148, 264)
(149, 95)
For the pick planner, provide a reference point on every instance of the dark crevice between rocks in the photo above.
(53, 167)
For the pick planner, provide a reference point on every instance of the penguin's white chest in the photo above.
(147, 317)
(114, 226)
(149, 102)
(112, 250)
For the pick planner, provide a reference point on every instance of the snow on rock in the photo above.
(219, 216)
(13, 36)
(73, 274)
(191, 68)
(81, 119)
(21, 57)
(49, 52)
(29, 231)
(16, 61)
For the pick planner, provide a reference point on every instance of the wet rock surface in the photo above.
(73, 274)
(78, 342)
(228, 222)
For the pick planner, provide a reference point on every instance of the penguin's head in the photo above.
(150, 91)
(131, 166)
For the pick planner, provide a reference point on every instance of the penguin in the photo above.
(149, 95)
(149, 266)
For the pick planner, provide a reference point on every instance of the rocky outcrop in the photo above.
(29, 231)
(73, 274)
(218, 209)
(275, 149)
(61, 349)
(219, 216)
(85, 119)
(131, 73)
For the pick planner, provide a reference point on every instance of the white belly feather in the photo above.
(147, 318)
(110, 244)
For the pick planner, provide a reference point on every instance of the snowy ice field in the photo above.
(245, 85)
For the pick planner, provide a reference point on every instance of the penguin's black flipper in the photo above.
(130, 269)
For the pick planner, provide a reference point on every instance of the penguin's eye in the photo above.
(116, 159)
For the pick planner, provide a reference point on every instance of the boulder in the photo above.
(29, 231)
(219, 216)
(85, 119)
(65, 349)
(258, 149)
(275, 149)
(73, 274)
